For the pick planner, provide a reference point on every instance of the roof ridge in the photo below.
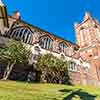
(43, 30)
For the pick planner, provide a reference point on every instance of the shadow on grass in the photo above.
(65, 90)
(78, 93)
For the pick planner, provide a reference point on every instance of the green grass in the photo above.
(12, 90)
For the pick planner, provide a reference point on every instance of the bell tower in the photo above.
(87, 32)
(3, 18)
(88, 38)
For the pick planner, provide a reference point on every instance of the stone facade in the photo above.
(84, 56)
(88, 38)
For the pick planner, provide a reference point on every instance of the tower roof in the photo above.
(87, 15)
(1, 3)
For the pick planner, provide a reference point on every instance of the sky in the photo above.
(55, 16)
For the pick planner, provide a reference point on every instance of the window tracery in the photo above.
(46, 42)
(21, 33)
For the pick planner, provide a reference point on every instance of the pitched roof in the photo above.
(20, 20)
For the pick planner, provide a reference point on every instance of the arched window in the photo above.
(62, 47)
(82, 34)
(72, 66)
(21, 33)
(46, 42)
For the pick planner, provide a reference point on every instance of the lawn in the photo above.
(12, 90)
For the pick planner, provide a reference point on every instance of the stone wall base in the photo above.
(77, 79)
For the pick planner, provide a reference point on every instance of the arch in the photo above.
(47, 36)
(22, 33)
(63, 46)
(46, 42)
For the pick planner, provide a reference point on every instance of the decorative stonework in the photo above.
(84, 55)
(89, 49)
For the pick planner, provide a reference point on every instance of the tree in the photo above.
(52, 69)
(13, 52)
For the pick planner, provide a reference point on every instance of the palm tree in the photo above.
(13, 52)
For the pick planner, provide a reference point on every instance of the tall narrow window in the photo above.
(72, 66)
(62, 47)
(46, 43)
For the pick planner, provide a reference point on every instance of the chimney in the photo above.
(16, 15)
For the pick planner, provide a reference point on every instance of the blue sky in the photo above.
(55, 16)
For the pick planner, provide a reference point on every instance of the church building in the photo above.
(84, 55)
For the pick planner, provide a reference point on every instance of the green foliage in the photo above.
(53, 69)
(14, 51)
(52, 62)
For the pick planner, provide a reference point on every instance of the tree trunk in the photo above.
(60, 77)
(8, 70)
(43, 75)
